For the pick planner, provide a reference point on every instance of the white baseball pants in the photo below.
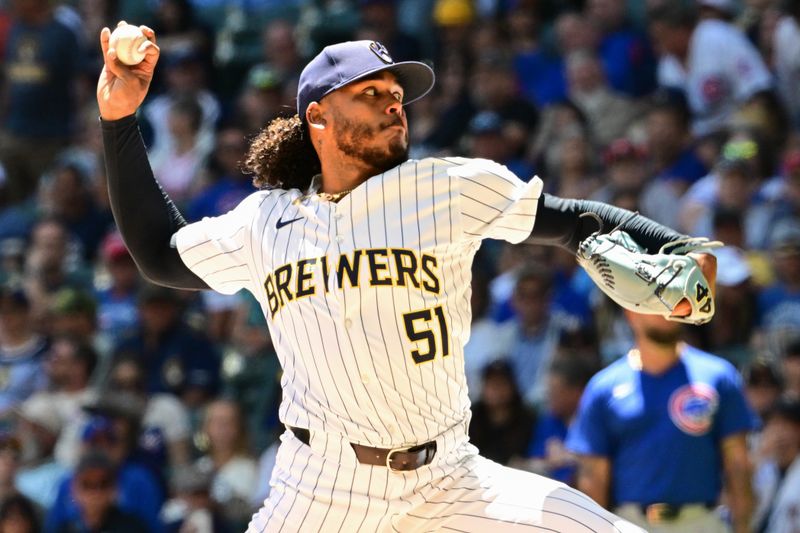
(323, 488)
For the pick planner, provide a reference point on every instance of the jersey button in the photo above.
(364, 378)
(339, 239)
(348, 323)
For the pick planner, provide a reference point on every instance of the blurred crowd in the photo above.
(133, 407)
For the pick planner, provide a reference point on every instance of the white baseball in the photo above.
(127, 40)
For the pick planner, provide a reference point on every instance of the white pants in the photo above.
(694, 518)
(323, 488)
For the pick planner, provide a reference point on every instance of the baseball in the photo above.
(127, 40)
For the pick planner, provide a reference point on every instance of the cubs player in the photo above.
(361, 261)
(661, 430)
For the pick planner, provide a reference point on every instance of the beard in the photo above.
(356, 141)
(664, 337)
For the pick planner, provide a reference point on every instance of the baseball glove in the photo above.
(649, 283)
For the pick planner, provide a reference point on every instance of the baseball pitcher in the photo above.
(360, 258)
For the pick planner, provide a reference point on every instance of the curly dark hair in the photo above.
(282, 156)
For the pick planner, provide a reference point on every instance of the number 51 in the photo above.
(425, 333)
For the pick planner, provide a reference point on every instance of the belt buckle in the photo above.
(658, 513)
(394, 451)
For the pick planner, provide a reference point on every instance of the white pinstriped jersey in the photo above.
(368, 299)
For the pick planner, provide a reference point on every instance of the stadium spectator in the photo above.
(230, 461)
(379, 22)
(778, 478)
(673, 157)
(186, 78)
(538, 328)
(176, 358)
(790, 366)
(229, 185)
(164, 415)
(68, 196)
(117, 313)
(73, 312)
(192, 509)
(710, 60)
(39, 474)
(94, 489)
(70, 363)
(490, 137)
(18, 515)
(786, 58)
(22, 349)
(38, 112)
(546, 454)
(260, 100)
(113, 431)
(729, 335)
(779, 304)
(623, 49)
(178, 166)
(280, 52)
(625, 167)
(52, 263)
(763, 386)
(733, 186)
(487, 338)
(502, 425)
(252, 373)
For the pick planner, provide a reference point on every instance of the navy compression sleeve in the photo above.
(145, 215)
(559, 223)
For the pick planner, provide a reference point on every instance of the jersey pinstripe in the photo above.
(367, 299)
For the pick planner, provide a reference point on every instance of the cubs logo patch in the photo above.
(379, 50)
(692, 408)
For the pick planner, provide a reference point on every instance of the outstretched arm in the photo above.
(559, 222)
(145, 215)
(564, 222)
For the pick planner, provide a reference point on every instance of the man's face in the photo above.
(13, 316)
(562, 398)
(609, 14)
(785, 437)
(50, 239)
(531, 300)
(367, 122)
(94, 490)
(668, 40)
(663, 132)
(60, 362)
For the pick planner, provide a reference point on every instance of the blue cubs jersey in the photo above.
(662, 433)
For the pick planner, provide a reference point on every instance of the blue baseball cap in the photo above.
(343, 63)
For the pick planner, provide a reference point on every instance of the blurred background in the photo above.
(158, 408)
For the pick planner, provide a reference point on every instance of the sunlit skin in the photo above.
(358, 131)
(656, 340)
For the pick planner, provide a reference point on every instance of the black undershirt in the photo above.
(148, 219)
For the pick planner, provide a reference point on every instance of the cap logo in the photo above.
(379, 50)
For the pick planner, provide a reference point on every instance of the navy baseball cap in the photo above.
(343, 63)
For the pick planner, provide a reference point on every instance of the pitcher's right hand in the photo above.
(121, 88)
